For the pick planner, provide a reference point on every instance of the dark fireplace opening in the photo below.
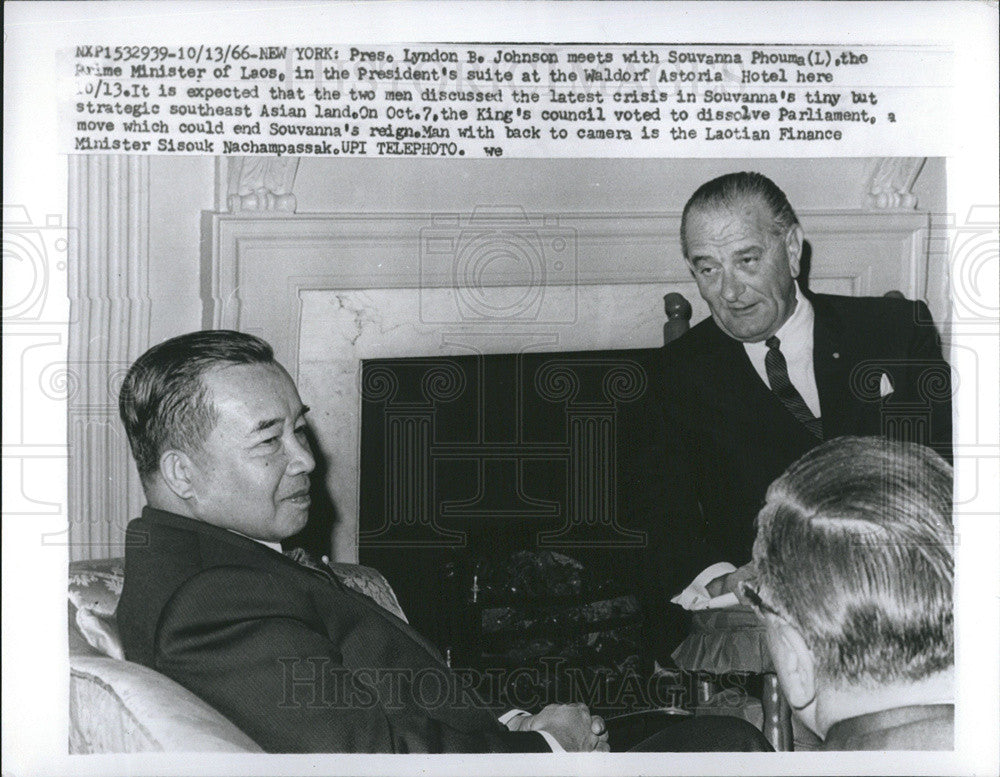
(494, 499)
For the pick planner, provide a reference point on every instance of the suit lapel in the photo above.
(363, 607)
(368, 603)
(731, 366)
(353, 605)
(365, 603)
(831, 365)
(730, 369)
(467, 718)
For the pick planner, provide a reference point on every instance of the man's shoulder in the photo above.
(174, 543)
(163, 539)
(151, 544)
(918, 727)
(703, 339)
(873, 309)
(165, 551)
(697, 356)
(168, 554)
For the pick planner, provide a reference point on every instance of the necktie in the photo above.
(306, 559)
(781, 385)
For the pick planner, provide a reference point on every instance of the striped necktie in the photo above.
(781, 385)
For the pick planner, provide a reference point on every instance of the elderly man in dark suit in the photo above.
(855, 560)
(284, 650)
(772, 373)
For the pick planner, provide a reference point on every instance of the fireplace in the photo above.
(493, 502)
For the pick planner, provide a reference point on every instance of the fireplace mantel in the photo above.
(255, 269)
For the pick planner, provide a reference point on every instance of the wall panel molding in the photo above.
(109, 328)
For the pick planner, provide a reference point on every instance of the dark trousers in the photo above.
(656, 732)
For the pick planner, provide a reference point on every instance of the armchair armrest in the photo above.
(120, 707)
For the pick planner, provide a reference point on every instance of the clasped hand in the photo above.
(572, 725)
(732, 582)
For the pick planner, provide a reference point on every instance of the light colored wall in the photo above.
(180, 188)
(930, 186)
(931, 194)
(553, 185)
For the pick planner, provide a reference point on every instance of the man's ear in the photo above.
(793, 248)
(177, 471)
(793, 661)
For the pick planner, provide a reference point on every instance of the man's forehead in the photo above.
(252, 391)
(747, 222)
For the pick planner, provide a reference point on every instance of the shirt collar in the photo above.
(799, 326)
(797, 331)
(275, 546)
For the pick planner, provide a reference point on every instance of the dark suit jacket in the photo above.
(920, 727)
(724, 436)
(296, 660)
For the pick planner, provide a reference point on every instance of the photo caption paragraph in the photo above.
(493, 100)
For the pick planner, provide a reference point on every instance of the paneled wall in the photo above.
(180, 188)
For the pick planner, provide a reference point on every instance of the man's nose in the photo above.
(732, 287)
(300, 461)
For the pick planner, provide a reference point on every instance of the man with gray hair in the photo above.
(774, 371)
(855, 562)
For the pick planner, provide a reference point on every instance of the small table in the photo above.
(732, 640)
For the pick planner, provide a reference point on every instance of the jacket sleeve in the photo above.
(931, 379)
(683, 442)
(662, 501)
(251, 645)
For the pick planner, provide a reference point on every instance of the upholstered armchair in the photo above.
(116, 706)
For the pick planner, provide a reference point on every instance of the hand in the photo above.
(600, 729)
(731, 582)
(572, 725)
(735, 580)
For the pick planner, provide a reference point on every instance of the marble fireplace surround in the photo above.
(330, 289)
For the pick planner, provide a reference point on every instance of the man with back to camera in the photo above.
(772, 373)
(855, 561)
(296, 660)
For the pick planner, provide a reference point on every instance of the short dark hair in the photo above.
(164, 402)
(732, 191)
(855, 548)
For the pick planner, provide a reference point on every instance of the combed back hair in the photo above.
(733, 192)
(164, 403)
(855, 548)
